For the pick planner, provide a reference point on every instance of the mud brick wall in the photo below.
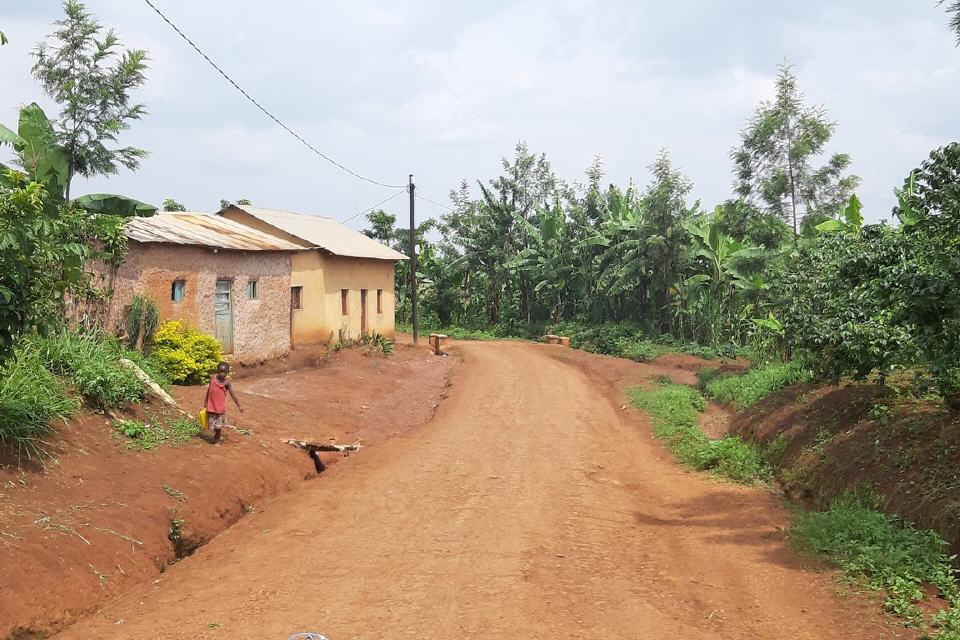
(261, 327)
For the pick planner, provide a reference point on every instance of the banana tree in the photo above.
(45, 162)
(720, 256)
(544, 260)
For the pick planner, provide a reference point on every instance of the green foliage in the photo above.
(90, 363)
(674, 410)
(141, 322)
(143, 436)
(92, 81)
(883, 553)
(368, 343)
(774, 161)
(30, 399)
(742, 391)
(184, 355)
(169, 204)
(41, 257)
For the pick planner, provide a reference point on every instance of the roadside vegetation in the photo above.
(744, 390)
(883, 553)
(675, 410)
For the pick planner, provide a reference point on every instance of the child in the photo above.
(216, 400)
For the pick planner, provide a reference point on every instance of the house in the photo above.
(342, 282)
(223, 278)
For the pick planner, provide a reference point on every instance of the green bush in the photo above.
(742, 391)
(674, 410)
(30, 398)
(141, 322)
(883, 553)
(184, 355)
(90, 362)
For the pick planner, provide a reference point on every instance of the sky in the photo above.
(444, 90)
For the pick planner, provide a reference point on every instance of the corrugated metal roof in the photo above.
(203, 229)
(325, 233)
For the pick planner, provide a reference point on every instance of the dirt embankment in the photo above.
(858, 436)
(98, 518)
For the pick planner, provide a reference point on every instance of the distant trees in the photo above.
(92, 80)
(170, 204)
(774, 163)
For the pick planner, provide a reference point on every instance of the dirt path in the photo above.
(533, 506)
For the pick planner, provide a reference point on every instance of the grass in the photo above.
(30, 399)
(886, 554)
(743, 391)
(90, 363)
(143, 436)
(674, 410)
(460, 333)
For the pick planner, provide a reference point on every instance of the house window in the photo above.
(379, 301)
(296, 297)
(176, 290)
(344, 298)
(253, 291)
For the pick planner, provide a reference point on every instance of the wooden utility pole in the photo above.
(413, 265)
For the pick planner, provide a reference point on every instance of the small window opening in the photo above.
(177, 289)
(296, 297)
(344, 301)
(253, 291)
(379, 301)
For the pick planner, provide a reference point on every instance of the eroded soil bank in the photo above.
(98, 518)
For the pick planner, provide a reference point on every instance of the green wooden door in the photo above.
(223, 311)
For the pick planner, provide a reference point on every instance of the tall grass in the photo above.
(883, 553)
(674, 410)
(30, 399)
(90, 362)
(742, 391)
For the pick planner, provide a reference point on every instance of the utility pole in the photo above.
(413, 265)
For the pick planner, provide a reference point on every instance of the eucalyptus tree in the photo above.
(85, 71)
(774, 163)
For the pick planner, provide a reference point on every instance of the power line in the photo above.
(434, 202)
(382, 202)
(264, 110)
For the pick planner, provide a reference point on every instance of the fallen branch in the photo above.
(313, 449)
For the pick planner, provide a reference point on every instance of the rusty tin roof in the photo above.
(324, 233)
(204, 229)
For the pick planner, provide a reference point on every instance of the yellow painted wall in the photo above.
(322, 277)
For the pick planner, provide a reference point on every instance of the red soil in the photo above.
(95, 519)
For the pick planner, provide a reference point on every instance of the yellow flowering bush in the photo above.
(185, 355)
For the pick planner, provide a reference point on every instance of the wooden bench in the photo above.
(437, 342)
(563, 341)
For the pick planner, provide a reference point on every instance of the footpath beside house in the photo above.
(258, 280)
(342, 284)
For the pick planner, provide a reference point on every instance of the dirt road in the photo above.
(532, 506)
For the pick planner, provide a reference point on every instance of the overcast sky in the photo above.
(444, 89)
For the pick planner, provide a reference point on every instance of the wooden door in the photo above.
(363, 312)
(223, 312)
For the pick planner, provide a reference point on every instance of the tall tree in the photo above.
(665, 208)
(774, 163)
(91, 79)
(954, 10)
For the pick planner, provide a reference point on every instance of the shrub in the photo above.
(885, 553)
(184, 355)
(141, 322)
(143, 436)
(745, 390)
(674, 411)
(30, 398)
(90, 362)
(638, 349)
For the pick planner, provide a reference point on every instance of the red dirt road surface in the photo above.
(533, 506)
